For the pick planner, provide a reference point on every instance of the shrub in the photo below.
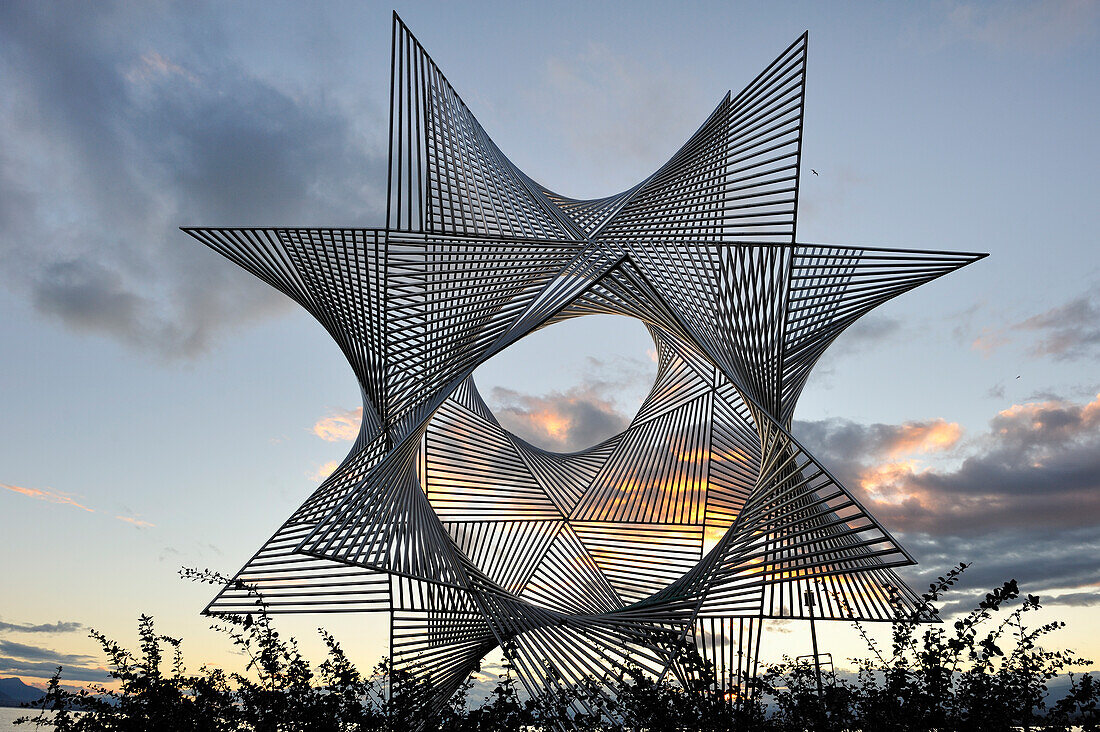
(986, 671)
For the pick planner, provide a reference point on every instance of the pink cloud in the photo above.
(67, 499)
(46, 494)
(153, 66)
(988, 341)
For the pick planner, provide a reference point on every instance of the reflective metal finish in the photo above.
(703, 518)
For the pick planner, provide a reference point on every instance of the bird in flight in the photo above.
(813, 171)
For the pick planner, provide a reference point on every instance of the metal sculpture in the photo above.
(703, 518)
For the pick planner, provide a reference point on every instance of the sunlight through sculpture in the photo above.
(682, 533)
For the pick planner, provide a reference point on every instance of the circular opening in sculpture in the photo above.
(573, 384)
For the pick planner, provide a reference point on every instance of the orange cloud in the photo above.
(1051, 420)
(1090, 413)
(1031, 409)
(922, 437)
(1053, 413)
(560, 421)
(886, 483)
(66, 499)
(339, 426)
(1036, 467)
(550, 423)
(45, 494)
(324, 471)
(890, 481)
(136, 522)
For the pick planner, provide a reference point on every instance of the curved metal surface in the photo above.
(704, 517)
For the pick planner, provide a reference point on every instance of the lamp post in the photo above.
(809, 598)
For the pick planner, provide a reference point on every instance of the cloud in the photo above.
(133, 520)
(324, 471)
(1037, 466)
(1067, 332)
(988, 341)
(1049, 564)
(108, 145)
(46, 669)
(66, 499)
(870, 330)
(341, 426)
(922, 437)
(1074, 599)
(153, 67)
(849, 440)
(1039, 26)
(1021, 499)
(58, 627)
(893, 448)
(49, 495)
(561, 421)
(26, 652)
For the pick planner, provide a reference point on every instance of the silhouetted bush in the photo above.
(986, 671)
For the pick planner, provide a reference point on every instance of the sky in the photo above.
(161, 409)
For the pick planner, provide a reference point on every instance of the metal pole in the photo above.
(809, 597)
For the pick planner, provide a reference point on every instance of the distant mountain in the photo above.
(14, 692)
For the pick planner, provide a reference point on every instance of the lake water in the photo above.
(8, 715)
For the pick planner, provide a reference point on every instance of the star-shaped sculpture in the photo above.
(705, 516)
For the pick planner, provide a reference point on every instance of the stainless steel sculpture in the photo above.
(702, 519)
